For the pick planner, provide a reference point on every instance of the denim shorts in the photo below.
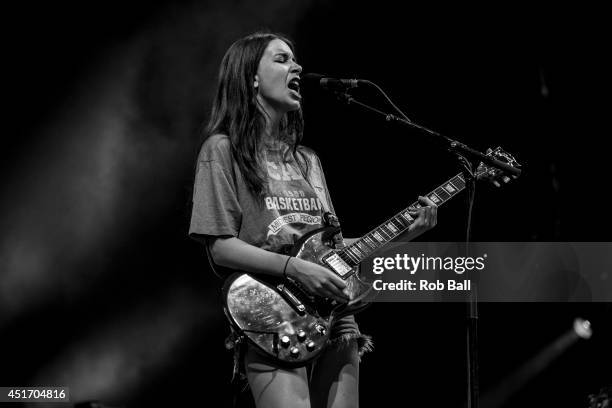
(346, 329)
(343, 331)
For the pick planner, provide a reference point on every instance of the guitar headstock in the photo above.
(493, 174)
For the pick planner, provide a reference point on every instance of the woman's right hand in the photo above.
(317, 280)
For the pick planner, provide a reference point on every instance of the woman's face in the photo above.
(277, 79)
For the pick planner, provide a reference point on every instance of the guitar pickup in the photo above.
(337, 264)
(292, 299)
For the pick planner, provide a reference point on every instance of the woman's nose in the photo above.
(296, 68)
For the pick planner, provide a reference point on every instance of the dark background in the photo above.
(100, 288)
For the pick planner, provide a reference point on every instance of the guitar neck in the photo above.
(363, 247)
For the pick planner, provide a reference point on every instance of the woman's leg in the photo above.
(275, 387)
(335, 377)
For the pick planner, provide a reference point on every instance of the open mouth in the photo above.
(294, 85)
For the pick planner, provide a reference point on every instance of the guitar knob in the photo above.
(321, 329)
(310, 346)
(285, 341)
(295, 352)
(301, 335)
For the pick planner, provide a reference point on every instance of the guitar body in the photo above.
(282, 320)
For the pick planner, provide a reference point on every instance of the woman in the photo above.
(258, 190)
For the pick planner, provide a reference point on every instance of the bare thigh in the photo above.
(335, 378)
(274, 387)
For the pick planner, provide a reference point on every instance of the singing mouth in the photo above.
(294, 85)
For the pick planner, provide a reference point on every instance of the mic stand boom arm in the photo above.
(445, 141)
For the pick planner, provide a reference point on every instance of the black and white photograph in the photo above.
(305, 204)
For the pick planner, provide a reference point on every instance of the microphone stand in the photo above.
(465, 155)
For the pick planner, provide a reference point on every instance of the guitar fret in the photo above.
(382, 229)
(357, 251)
(370, 242)
(435, 198)
(409, 218)
(353, 251)
(397, 225)
(350, 258)
(378, 236)
(459, 181)
(450, 188)
(392, 227)
(363, 247)
(400, 221)
(442, 194)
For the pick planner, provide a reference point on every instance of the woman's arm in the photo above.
(236, 254)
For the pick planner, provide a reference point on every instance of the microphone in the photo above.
(331, 84)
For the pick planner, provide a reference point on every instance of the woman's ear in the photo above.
(256, 82)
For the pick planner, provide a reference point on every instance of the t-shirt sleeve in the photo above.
(216, 210)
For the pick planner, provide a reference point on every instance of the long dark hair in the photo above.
(237, 113)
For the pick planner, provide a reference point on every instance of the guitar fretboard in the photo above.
(360, 249)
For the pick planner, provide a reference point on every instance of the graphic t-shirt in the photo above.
(290, 207)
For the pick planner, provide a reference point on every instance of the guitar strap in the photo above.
(315, 179)
(317, 183)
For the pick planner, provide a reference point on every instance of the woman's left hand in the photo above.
(426, 217)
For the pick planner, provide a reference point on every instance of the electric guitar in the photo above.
(290, 325)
